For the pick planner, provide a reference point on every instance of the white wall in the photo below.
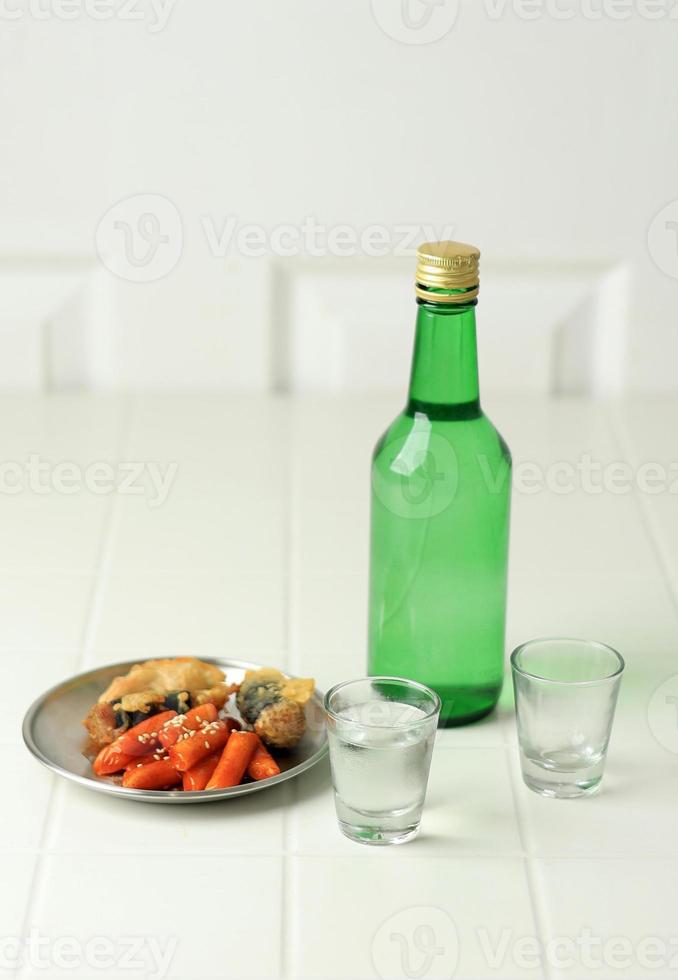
(551, 144)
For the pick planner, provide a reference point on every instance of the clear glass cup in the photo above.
(566, 693)
(381, 734)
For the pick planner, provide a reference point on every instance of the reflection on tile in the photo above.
(638, 791)
(469, 808)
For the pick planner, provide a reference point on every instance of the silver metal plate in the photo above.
(53, 732)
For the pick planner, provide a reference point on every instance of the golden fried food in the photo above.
(176, 683)
(274, 705)
(161, 676)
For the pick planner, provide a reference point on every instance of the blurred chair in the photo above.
(328, 325)
(552, 328)
(56, 324)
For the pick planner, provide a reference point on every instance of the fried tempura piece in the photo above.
(162, 676)
(179, 683)
(274, 705)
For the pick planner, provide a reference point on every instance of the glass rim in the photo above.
(621, 663)
(437, 703)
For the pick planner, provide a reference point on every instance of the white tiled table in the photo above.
(260, 552)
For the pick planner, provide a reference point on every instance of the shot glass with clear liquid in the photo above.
(566, 694)
(381, 733)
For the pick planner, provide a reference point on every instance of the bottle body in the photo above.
(441, 480)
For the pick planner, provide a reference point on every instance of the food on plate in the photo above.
(274, 705)
(234, 760)
(262, 764)
(138, 741)
(190, 722)
(199, 776)
(158, 774)
(177, 684)
(192, 749)
(166, 725)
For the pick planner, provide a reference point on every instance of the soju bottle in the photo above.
(441, 484)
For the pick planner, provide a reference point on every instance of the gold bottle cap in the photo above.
(447, 265)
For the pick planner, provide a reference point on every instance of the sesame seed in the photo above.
(207, 744)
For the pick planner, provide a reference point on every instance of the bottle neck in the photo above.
(445, 361)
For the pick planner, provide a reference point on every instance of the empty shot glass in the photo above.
(566, 693)
(381, 734)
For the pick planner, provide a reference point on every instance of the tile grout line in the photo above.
(537, 897)
(504, 855)
(625, 444)
(103, 571)
(291, 542)
(289, 556)
(528, 856)
(529, 859)
(93, 607)
(289, 811)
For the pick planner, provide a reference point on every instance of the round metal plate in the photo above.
(53, 732)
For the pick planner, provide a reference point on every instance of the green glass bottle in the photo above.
(441, 485)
